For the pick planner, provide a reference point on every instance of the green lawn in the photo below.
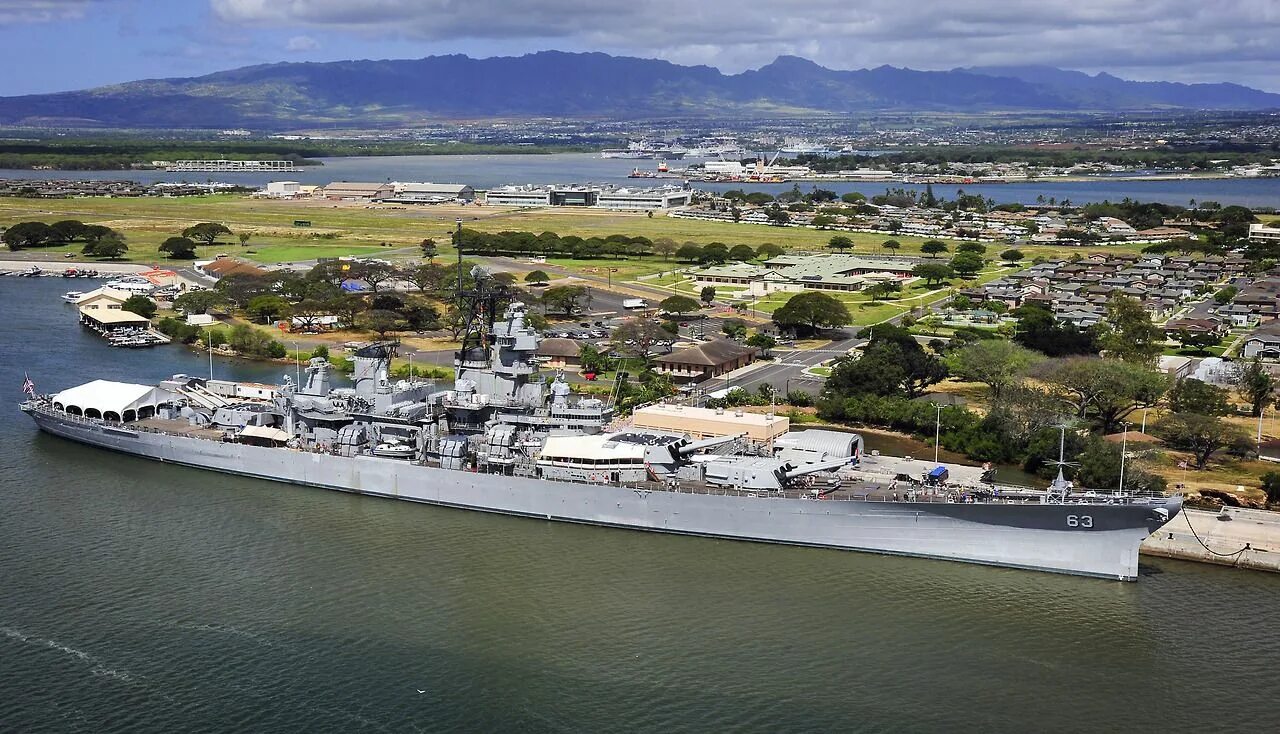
(147, 221)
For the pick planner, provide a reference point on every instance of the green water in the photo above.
(141, 597)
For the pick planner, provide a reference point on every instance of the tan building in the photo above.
(560, 353)
(356, 191)
(707, 422)
(102, 299)
(109, 319)
(705, 361)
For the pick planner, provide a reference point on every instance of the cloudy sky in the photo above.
(53, 45)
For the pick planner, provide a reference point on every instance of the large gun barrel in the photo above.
(791, 474)
(678, 451)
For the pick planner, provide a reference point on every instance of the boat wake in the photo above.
(98, 667)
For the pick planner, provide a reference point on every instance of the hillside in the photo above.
(552, 83)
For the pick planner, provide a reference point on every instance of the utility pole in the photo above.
(1124, 445)
(937, 433)
(457, 245)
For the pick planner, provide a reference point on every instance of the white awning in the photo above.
(267, 432)
(104, 396)
(590, 448)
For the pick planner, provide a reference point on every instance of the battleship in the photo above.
(506, 437)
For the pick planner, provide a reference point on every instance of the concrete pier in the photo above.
(1225, 538)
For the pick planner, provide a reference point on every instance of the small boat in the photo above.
(72, 296)
(394, 450)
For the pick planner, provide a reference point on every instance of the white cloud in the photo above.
(41, 11)
(301, 44)
(1151, 39)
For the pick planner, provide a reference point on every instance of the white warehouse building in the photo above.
(599, 197)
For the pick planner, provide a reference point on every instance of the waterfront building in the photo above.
(590, 195)
(403, 192)
(283, 189)
(1263, 233)
(226, 166)
(355, 191)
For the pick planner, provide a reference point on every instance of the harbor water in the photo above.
(488, 171)
(140, 597)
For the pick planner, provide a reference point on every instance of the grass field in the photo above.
(354, 229)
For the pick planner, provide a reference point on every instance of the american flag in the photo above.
(28, 386)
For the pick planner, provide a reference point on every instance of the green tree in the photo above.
(1270, 482)
(1225, 295)
(883, 289)
(266, 308)
(891, 364)
(140, 305)
(537, 277)
(637, 337)
(996, 363)
(111, 247)
(768, 251)
(198, 302)
(1202, 435)
(891, 245)
(206, 232)
(430, 250)
(840, 243)
(707, 294)
(734, 328)
(679, 305)
(1012, 256)
(1256, 385)
(1128, 333)
(1189, 395)
(566, 299)
(244, 238)
(178, 248)
(67, 230)
(689, 252)
(28, 234)
(1198, 341)
(666, 247)
(933, 248)
(384, 323)
(763, 342)
(810, 311)
(933, 273)
(966, 264)
(1106, 390)
(741, 253)
(976, 248)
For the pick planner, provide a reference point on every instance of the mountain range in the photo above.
(559, 84)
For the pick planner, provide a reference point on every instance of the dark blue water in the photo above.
(487, 171)
(139, 597)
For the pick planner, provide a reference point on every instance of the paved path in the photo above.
(1259, 529)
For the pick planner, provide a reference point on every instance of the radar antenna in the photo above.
(1059, 486)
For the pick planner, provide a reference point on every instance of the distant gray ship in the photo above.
(501, 440)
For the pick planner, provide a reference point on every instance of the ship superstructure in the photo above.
(507, 438)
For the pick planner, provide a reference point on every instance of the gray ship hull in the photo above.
(1090, 540)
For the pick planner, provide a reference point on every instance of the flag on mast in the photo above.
(28, 386)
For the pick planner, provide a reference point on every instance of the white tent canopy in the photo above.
(117, 401)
